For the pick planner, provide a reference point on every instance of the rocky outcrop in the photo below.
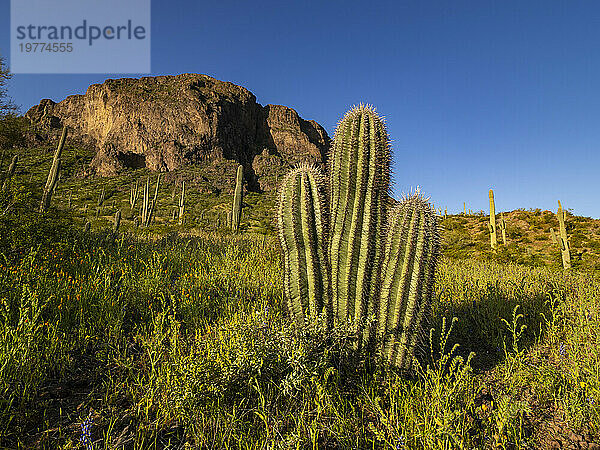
(166, 122)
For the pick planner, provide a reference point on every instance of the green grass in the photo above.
(178, 335)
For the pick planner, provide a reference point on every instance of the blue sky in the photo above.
(477, 94)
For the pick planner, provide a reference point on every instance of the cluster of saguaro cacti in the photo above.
(561, 240)
(492, 223)
(346, 256)
(236, 209)
(182, 203)
(148, 204)
(53, 174)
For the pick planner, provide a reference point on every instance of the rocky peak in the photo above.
(166, 122)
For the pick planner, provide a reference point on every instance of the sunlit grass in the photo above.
(186, 340)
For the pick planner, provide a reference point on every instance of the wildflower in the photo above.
(400, 443)
(562, 350)
(86, 431)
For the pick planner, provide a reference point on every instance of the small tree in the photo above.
(7, 107)
(11, 125)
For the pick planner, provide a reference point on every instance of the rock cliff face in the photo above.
(166, 122)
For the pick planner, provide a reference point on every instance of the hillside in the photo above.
(209, 193)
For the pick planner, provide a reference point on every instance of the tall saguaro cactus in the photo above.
(492, 223)
(53, 174)
(562, 239)
(10, 172)
(344, 257)
(236, 210)
(359, 178)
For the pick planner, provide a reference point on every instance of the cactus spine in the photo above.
(563, 241)
(11, 171)
(302, 225)
(492, 223)
(236, 211)
(53, 174)
(182, 203)
(503, 228)
(86, 227)
(362, 258)
(411, 252)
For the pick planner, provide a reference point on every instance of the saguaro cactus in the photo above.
(134, 194)
(563, 241)
(380, 274)
(10, 172)
(359, 177)
(149, 205)
(182, 203)
(101, 198)
(302, 225)
(503, 228)
(411, 252)
(53, 174)
(236, 210)
(117, 222)
(492, 223)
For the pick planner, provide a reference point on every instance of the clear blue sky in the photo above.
(477, 94)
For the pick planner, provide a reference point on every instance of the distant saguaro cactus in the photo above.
(10, 172)
(344, 258)
(53, 174)
(148, 204)
(237, 199)
(563, 241)
(134, 194)
(101, 198)
(492, 223)
(503, 228)
(117, 221)
(182, 203)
